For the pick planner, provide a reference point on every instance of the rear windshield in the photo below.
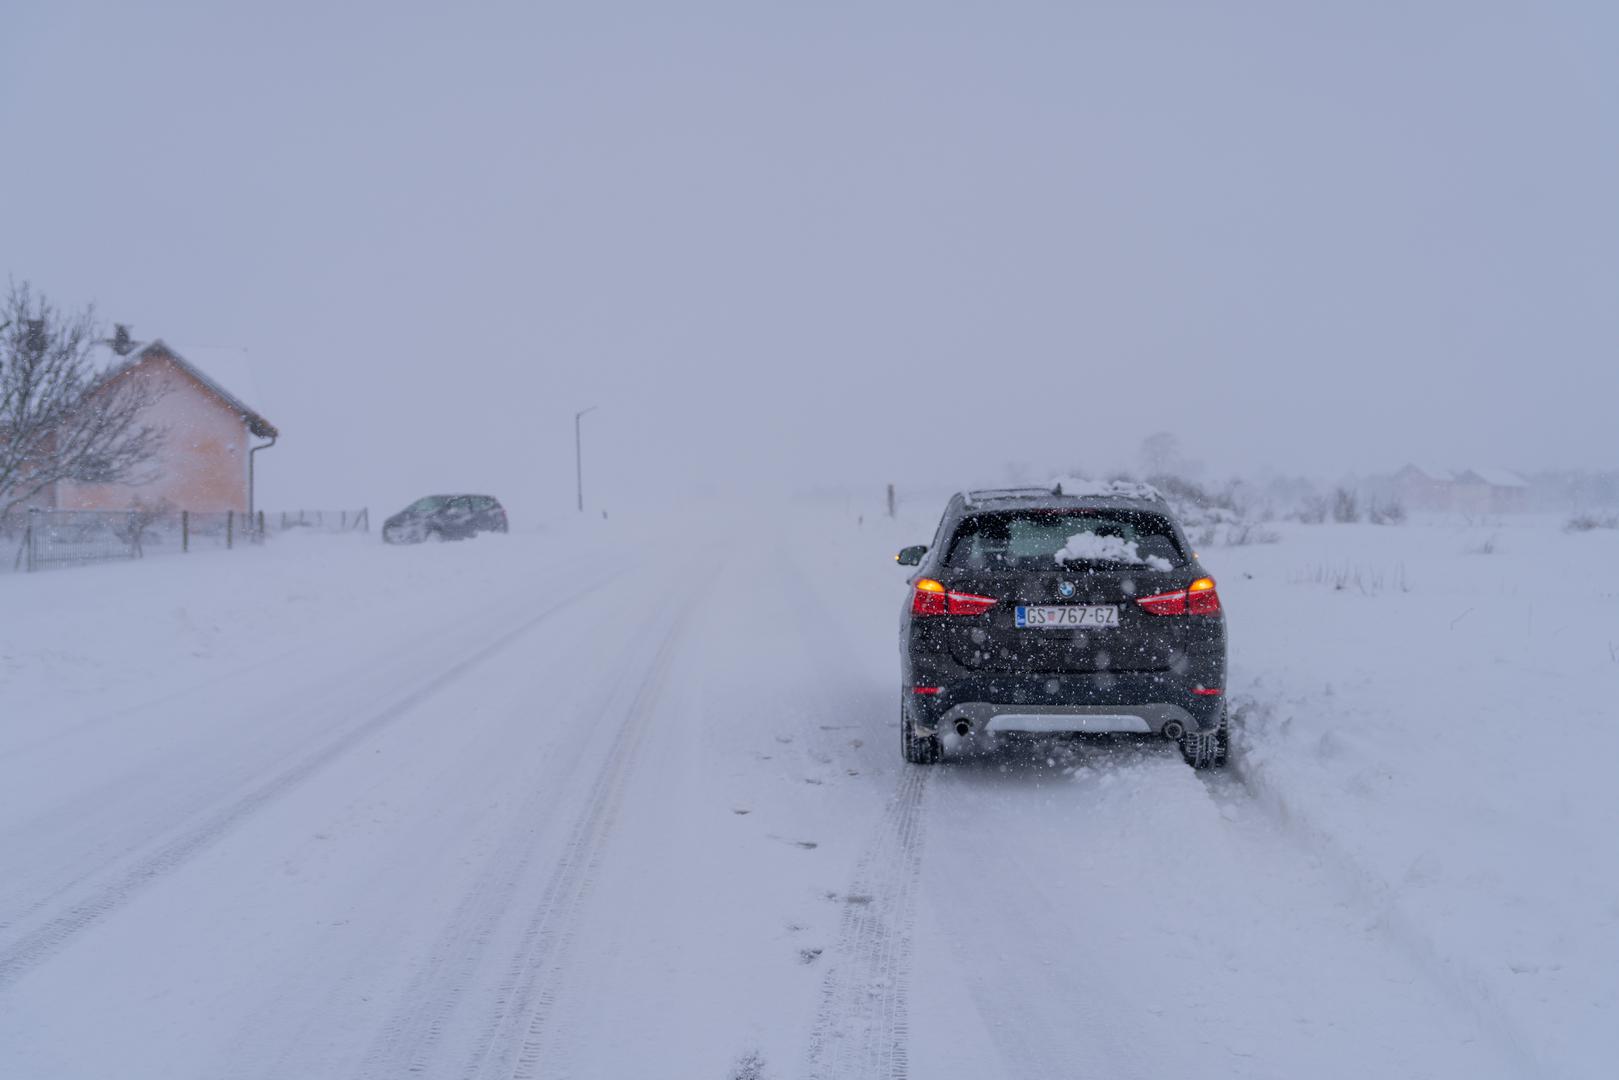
(1033, 540)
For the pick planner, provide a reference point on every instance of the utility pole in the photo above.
(579, 455)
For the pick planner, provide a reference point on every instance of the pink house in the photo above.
(206, 460)
(1465, 491)
(1424, 487)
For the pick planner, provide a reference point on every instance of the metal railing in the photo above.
(41, 539)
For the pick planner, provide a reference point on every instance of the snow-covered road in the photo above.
(584, 805)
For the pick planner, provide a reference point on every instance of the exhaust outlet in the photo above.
(963, 727)
(1174, 730)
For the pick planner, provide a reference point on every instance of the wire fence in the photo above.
(42, 539)
(317, 520)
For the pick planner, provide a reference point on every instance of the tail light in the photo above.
(929, 599)
(1198, 598)
(932, 598)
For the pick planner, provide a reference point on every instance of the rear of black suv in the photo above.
(1038, 611)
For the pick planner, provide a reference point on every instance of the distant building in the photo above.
(1492, 491)
(1421, 487)
(1466, 491)
(203, 464)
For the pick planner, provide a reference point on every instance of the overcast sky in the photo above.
(836, 244)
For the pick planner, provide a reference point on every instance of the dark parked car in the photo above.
(445, 517)
(1036, 610)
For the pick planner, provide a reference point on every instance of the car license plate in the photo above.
(1068, 617)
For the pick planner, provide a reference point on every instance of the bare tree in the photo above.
(142, 515)
(1345, 505)
(60, 417)
(1160, 452)
(1391, 512)
(1161, 455)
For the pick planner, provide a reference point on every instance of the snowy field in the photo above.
(625, 800)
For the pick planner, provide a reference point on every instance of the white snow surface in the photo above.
(1093, 547)
(568, 804)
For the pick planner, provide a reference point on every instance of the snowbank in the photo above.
(1436, 722)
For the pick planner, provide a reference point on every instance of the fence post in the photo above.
(185, 531)
(261, 526)
(342, 521)
(365, 515)
(230, 528)
(890, 500)
(28, 536)
(134, 537)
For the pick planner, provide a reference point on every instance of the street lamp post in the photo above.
(579, 455)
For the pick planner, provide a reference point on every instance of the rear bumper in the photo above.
(1143, 704)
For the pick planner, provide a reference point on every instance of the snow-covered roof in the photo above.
(1505, 478)
(226, 372)
(1430, 472)
(228, 369)
(1494, 477)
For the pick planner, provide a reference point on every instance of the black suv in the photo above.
(445, 517)
(1045, 610)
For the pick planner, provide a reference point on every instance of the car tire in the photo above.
(917, 749)
(1207, 749)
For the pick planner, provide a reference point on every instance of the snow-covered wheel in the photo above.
(918, 749)
(1207, 749)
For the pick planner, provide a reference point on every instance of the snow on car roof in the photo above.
(1069, 487)
(1084, 487)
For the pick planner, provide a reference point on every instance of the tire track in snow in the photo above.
(33, 947)
(535, 977)
(112, 846)
(510, 1040)
(236, 674)
(991, 870)
(862, 1025)
(293, 1033)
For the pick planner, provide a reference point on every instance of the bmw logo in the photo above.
(1065, 589)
